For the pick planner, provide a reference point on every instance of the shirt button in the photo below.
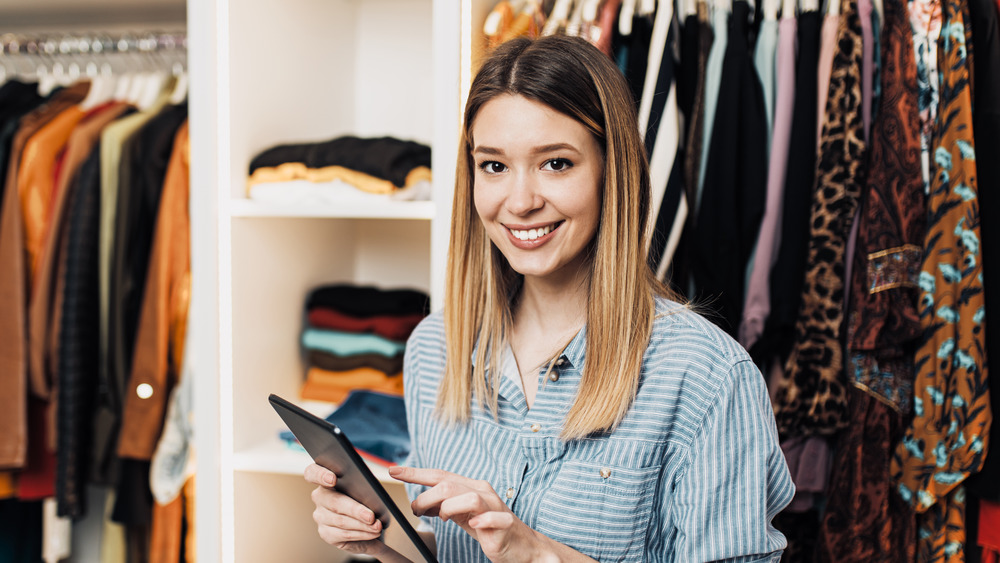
(536, 427)
(554, 376)
(144, 390)
(561, 361)
(605, 473)
(510, 492)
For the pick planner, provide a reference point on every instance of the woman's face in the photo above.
(537, 186)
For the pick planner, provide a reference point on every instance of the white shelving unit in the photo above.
(265, 72)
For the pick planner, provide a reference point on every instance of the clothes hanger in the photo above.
(625, 17)
(787, 9)
(690, 8)
(833, 7)
(880, 10)
(770, 9)
(557, 17)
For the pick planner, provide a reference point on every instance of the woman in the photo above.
(577, 412)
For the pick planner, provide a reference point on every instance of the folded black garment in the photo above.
(369, 301)
(384, 157)
(333, 362)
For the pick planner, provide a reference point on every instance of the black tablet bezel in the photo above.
(340, 446)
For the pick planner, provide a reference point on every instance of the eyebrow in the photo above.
(536, 150)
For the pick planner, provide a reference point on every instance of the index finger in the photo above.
(428, 477)
(319, 475)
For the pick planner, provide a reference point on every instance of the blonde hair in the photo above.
(572, 77)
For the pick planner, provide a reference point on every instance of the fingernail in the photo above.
(366, 516)
(328, 479)
(395, 470)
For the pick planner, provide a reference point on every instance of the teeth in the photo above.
(532, 234)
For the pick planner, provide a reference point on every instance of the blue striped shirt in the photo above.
(693, 473)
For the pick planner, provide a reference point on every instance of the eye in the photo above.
(492, 167)
(557, 164)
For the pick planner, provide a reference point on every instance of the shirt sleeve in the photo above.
(735, 480)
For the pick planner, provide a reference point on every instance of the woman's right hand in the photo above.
(343, 522)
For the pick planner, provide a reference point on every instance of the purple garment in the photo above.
(808, 461)
(867, 64)
(758, 300)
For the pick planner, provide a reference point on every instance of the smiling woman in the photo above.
(564, 405)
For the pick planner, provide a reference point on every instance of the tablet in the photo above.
(330, 448)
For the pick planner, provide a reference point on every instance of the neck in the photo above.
(552, 310)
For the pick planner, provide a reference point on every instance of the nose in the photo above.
(524, 195)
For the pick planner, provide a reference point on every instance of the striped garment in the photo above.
(693, 473)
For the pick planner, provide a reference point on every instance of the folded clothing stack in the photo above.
(375, 423)
(347, 168)
(354, 338)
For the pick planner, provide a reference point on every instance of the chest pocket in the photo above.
(601, 510)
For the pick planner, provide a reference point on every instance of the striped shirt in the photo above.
(693, 473)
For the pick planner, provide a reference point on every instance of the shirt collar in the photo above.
(572, 356)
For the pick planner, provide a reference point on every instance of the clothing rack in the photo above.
(78, 55)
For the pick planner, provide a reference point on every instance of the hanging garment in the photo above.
(636, 64)
(713, 82)
(986, 130)
(827, 52)
(77, 351)
(989, 530)
(884, 326)
(765, 62)
(785, 285)
(735, 181)
(145, 158)
(607, 20)
(674, 263)
(811, 396)
(758, 303)
(693, 147)
(44, 303)
(662, 141)
(159, 348)
(947, 438)
(865, 11)
(113, 374)
(925, 20)
(14, 289)
(865, 519)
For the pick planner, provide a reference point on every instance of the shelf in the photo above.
(388, 209)
(274, 456)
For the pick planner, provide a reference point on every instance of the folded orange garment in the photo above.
(334, 386)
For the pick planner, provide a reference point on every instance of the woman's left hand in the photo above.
(477, 508)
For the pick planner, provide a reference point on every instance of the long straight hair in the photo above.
(574, 78)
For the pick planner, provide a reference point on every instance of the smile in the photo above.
(534, 234)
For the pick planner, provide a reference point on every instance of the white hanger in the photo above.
(690, 7)
(880, 10)
(625, 17)
(788, 9)
(647, 7)
(590, 10)
(557, 17)
(833, 7)
(770, 9)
